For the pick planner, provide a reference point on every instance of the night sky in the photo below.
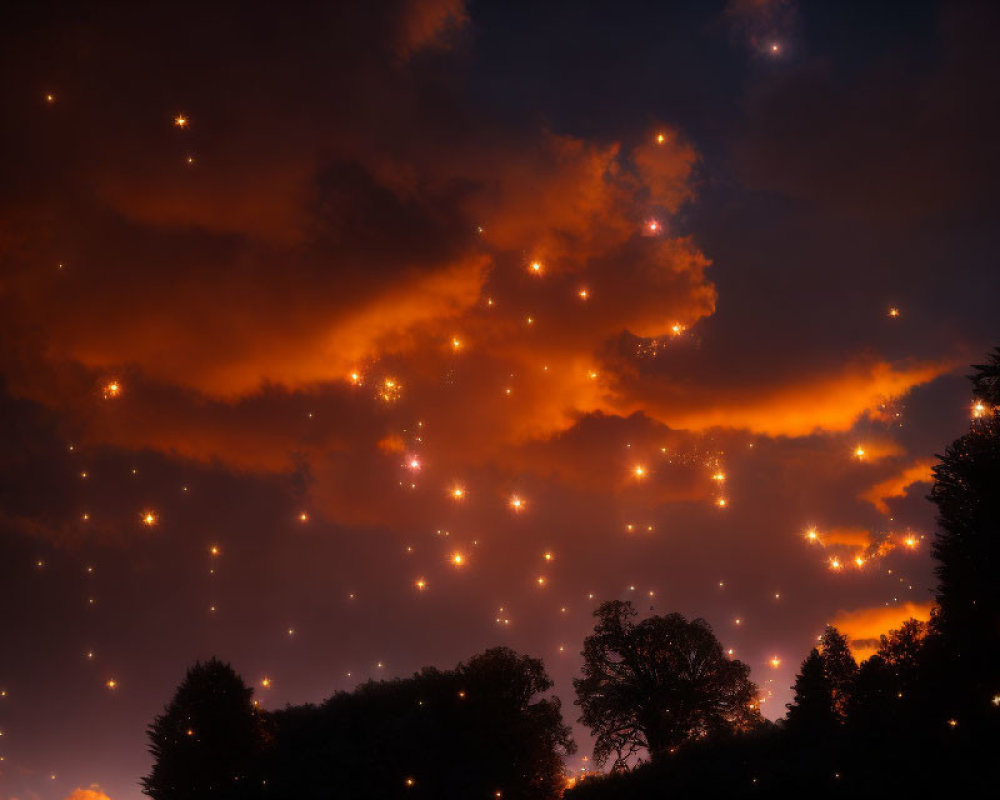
(341, 339)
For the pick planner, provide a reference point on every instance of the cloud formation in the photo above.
(863, 626)
(899, 484)
(253, 281)
(93, 793)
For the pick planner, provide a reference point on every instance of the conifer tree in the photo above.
(811, 711)
(208, 740)
(967, 547)
(839, 667)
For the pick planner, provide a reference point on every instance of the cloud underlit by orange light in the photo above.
(868, 624)
(897, 485)
(93, 793)
(798, 407)
(846, 536)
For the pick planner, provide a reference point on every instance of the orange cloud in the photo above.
(366, 250)
(220, 349)
(796, 407)
(209, 361)
(561, 200)
(847, 536)
(898, 485)
(93, 793)
(273, 315)
(870, 623)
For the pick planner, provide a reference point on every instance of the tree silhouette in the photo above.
(208, 740)
(902, 652)
(526, 736)
(839, 667)
(469, 732)
(875, 698)
(888, 682)
(967, 544)
(657, 684)
(811, 711)
(966, 641)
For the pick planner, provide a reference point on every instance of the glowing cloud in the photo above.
(898, 484)
(798, 408)
(93, 793)
(863, 625)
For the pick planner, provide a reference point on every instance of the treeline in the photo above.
(671, 712)
(482, 729)
(892, 724)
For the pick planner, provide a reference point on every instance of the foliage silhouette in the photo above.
(658, 684)
(839, 667)
(967, 546)
(473, 731)
(811, 712)
(208, 741)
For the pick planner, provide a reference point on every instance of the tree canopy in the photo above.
(659, 683)
(208, 741)
(473, 731)
(967, 545)
(965, 634)
(811, 711)
(839, 667)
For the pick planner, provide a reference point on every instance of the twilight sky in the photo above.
(340, 339)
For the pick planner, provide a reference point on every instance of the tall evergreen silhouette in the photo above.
(967, 546)
(839, 667)
(811, 711)
(208, 740)
(966, 492)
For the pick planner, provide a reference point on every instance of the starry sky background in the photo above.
(725, 200)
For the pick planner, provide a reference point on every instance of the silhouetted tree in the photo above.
(526, 737)
(455, 734)
(811, 711)
(875, 699)
(839, 667)
(208, 740)
(659, 683)
(883, 694)
(966, 641)
(902, 652)
(967, 545)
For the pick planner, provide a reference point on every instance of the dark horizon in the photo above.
(343, 340)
